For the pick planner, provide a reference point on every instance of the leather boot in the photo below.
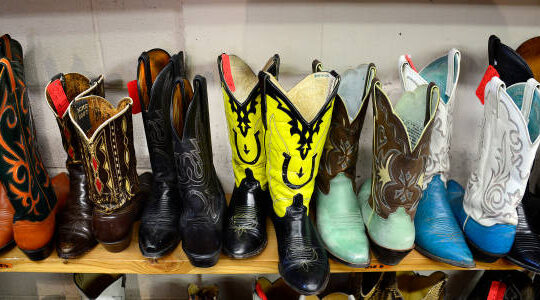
(108, 155)
(497, 184)
(401, 138)
(74, 235)
(203, 202)
(438, 234)
(6, 221)
(339, 218)
(297, 123)
(22, 173)
(512, 68)
(530, 52)
(159, 232)
(245, 225)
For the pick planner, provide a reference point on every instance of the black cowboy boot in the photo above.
(159, 232)
(74, 233)
(203, 200)
(245, 226)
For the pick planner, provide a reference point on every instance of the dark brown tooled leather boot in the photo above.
(74, 233)
(108, 156)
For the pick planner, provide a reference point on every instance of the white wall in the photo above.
(106, 37)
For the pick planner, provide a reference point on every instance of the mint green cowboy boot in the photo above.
(339, 218)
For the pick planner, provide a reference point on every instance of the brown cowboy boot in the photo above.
(108, 156)
(74, 236)
(22, 173)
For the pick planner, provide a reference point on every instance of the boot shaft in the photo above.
(444, 72)
(296, 126)
(508, 144)
(156, 74)
(401, 137)
(27, 182)
(340, 153)
(106, 135)
(243, 111)
(60, 92)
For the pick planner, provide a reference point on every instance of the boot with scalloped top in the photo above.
(245, 226)
(339, 218)
(438, 235)
(297, 122)
(401, 137)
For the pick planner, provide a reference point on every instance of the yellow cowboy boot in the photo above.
(245, 226)
(297, 123)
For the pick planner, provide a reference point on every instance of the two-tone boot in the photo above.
(203, 200)
(159, 232)
(508, 144)
(245, 225)
(296, 126)
(438, 234)
(74, 233)
(108, 156)
(339, 217)
(22, 172)
(401, 147)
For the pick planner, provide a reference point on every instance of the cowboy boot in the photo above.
(6, 221)
(22, 173)
(108, 155)
(401, 138)
(438, 234)
(487, 212)
(296, 125)
(512, 68)
(245, 225)
(74, 236)
(530, 52)
(203, 202)
(159, 233)
(11, 49)
(339, 218)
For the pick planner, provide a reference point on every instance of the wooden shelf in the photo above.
(131, 261)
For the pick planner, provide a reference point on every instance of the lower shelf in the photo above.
(131, 261)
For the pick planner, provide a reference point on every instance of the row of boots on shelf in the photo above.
(288, 147)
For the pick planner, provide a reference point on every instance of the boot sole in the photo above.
(523, 265)
(7, 246)
(388, 256)
(482, 255)
(203, 261)
(306, 293)
(161, 253)
(247, 255)
(41, 253)
(118, 245)
(444, 260)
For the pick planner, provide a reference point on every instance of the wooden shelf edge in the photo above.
(130, 261)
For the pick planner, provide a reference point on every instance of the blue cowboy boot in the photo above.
(438, 235)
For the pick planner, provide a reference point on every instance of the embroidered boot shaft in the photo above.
(339, 217)
(106, 135)
(401, 137)
(75, 235)
(297, 123)
(245, 226)
(22, 173)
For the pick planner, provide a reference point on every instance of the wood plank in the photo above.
(131, 261)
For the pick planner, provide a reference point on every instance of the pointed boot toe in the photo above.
(72, 246)
(304, 281)
(525, 250)
(438, 234)
(154, 242)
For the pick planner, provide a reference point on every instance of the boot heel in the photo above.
(118, 245)
(41, 253)
(387, 256)
(482, 256)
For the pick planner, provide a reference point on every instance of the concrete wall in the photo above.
(106, 37)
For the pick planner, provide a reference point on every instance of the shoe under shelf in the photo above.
(130, 260)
